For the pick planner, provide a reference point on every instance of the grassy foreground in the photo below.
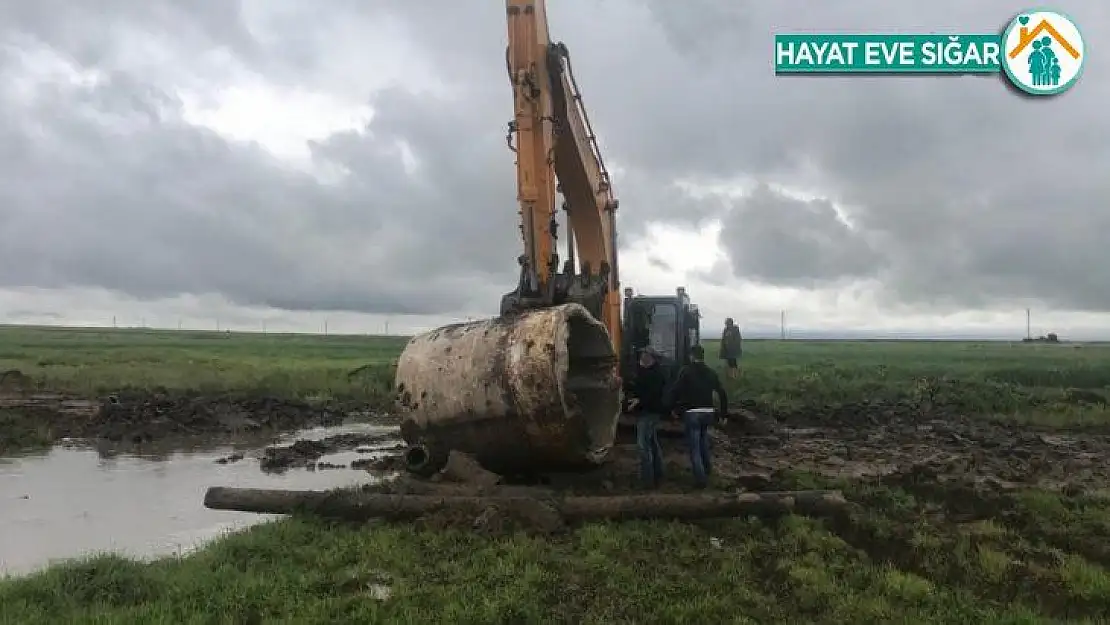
(303, 571)
(1027, 557)
(887, 565)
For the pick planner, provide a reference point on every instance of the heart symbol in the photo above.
(1024, 19)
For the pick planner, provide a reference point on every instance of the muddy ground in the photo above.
(870, 443)
(306, 453)
(875, 440)
(863, 440)
(146, 416)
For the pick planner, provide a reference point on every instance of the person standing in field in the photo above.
(692, 398)
(732, 347)
(649, 407)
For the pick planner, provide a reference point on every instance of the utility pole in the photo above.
(114, 322)
(179, 324)
(325, 327)
(263, 327)
(782, 324)
(387, 327)
(1028, 324)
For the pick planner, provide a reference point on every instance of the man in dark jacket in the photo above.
(649, 406)
(732, 347)
(692, 398)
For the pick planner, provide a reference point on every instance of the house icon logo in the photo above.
(1043, 52)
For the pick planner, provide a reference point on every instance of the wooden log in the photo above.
(361, 506)
(702, 506)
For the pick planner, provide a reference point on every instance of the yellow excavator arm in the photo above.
(538, 387)
(556, 151)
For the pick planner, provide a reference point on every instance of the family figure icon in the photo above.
(1044, 67)
(1044, 52)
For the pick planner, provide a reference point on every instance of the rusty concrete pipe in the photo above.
(526, 393)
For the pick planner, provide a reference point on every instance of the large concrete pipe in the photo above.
(527, 393)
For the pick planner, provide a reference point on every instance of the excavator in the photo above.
(542, 387)
(538, 389)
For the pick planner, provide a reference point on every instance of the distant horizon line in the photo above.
(797, 334)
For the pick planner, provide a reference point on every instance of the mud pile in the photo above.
(306, 453)
(884, 444)
(15, 380)
(137, 416)
(876, 439)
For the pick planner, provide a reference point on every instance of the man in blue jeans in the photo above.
(649, 407)
(692, 397)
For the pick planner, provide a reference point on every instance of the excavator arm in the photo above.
(557, 151)
(535, 390)
(538, 387)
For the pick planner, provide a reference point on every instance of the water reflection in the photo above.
(78, 498)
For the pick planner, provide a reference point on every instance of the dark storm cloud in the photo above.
(777, 239)
(115, 33)
(166, 208)
(973, 194)
(958, 191)
(106, 185)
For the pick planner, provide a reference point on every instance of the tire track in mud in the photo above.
(886, 441)
(921, 485)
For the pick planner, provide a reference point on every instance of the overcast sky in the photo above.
(291, 162)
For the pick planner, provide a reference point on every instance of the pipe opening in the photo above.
(417, 458)
(591, 359)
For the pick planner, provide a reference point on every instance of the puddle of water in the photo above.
(72, 501)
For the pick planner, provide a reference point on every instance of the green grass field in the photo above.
(1031, 382)
(912, 554)
(93, 361)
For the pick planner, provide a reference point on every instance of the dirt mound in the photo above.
(527, 515)
(306, 453)
(15, 380)
(969, 447)
(139, 417)
(851, 414)
(136, 417)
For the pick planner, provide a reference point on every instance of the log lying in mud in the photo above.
(361, 506)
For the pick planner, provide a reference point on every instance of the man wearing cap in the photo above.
(649, 406)
(692, 397)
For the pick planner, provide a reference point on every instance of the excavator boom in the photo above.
(538, 387)
(555, 142)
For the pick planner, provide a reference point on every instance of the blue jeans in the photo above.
(651, 453)
(696, 423)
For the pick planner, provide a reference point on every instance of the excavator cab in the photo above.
(669, 324)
